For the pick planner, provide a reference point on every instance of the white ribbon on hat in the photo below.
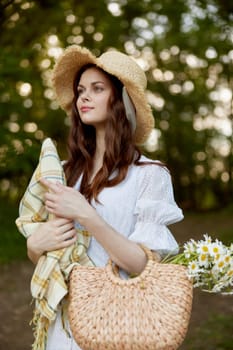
(129, 109)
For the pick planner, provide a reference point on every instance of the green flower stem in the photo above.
(178, 259)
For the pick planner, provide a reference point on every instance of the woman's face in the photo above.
(94, 92)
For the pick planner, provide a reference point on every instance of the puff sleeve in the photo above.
(155, 209)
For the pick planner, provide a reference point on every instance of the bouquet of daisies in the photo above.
(209, 264)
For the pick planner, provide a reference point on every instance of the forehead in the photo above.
(92, 75)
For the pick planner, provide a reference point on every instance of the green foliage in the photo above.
(12, 243)
(187, 53)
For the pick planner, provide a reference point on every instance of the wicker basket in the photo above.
(150, 311)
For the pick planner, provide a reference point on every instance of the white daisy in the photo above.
(193, 268)
(217, 249)
(207, 238)
(203, 260)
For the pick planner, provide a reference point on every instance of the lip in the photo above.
(85, 108)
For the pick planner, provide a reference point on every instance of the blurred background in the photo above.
(186, 50)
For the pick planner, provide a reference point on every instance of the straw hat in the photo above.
(115, 63)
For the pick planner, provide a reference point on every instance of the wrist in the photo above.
(92, 221)
(95, 224)
(32, 246)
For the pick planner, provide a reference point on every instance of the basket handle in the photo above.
(150, 256)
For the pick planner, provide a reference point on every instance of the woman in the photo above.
(119, 196)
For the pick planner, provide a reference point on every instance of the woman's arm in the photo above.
(33, 252)
(125, 253)
(52, 235)
(68, 202)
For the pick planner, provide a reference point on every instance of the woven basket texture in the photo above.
(148, 312)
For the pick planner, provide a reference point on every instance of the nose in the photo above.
(85, 96)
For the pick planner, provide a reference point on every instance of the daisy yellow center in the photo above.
(205, 249)
(203, 257)
(215, 250)
(221, 264)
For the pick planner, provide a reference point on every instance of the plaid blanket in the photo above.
(49, 281)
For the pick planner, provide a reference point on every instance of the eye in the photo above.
(80, 90)
(98, 88)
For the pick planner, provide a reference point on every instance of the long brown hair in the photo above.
(120, 151)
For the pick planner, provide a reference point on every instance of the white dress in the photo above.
(140, 208)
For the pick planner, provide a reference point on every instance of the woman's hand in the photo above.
(51, 235)
(64, 201)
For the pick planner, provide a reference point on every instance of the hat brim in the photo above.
(68, 65)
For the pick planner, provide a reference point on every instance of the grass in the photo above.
(226, 236)
(12, 243)
(213, 334)
(220, 222)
